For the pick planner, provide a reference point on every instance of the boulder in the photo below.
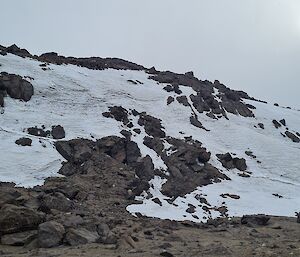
(292, 136)
(276, 124)
(56, 201)
(50, 234)
(16, 219)
(260, 220)
(19, 239)
(58, 132)
(24, 141)
(80, 236)
(16, 87)
(170, 99)
(105, 234)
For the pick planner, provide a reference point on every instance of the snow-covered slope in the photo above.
(76, 97)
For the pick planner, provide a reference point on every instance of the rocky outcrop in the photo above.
(15, 86)
(24, 141)
(232, 163)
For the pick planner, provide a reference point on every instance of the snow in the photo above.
(75, 98)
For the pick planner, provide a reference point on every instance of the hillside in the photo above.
(122, 141)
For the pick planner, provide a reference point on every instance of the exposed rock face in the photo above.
(204, 100)
(16, 219)
(24, 141)
(50, 234)
(15, 86)
(118, 113)
(230, 163)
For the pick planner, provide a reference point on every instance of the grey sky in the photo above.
(253, 45)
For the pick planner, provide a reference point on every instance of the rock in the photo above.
(298, 217)
(240, 163)
(152, 125)
(191, 209)
(166, 254)
(38, 132)
(50, 234)
(137, 130)
(261, 125)
(283, 122)
(276, 104)
(260, 220)
(157, 201)
(231, 163)
(118, 113)
(195, 122)
(1, 100)
(105, 234)
(16, 87)
(19, 239)
(183, 100)
(80, 236)
(292, 136)
(8, 196)
(58, 132)
(16, 219)
(57, 201)
(24, 141)
(276, 124)
(170, 99)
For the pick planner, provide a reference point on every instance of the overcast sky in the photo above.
(253, 45)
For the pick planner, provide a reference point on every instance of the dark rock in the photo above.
(1, 100)
(261, 125)
(132, 81)
(57, 201)
(137, 130)
(170, 100)
(39, 132)
(166, 254)
(151, 125)
(19, 239)
(283, 122)
(118, 113)
(58, 132)
(50, 234)
(183, 100)
(17, 219)
(126, 134)
(157, 201)
(276, 124)
(260, 220)
(14, 49)
(191, 209)
(16, 87)
(80, 236)
(24, 141)
(231, 163)
(276, 104)
(298, 217)
(240, 163)
(195, 122)
(292, 136)
(8, 195)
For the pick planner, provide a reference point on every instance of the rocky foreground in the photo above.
(84, 212)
